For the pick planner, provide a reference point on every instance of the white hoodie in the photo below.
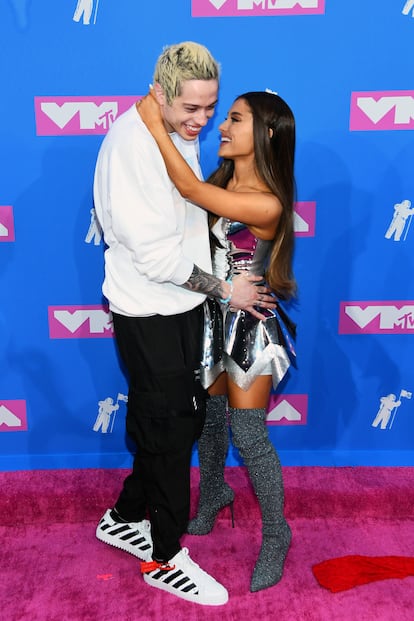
(154, 236)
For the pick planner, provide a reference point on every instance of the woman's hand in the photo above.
(150, 112)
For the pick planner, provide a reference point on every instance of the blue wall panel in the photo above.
(345, 68)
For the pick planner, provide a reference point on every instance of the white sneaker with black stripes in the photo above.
(182, 577)
(133, 537)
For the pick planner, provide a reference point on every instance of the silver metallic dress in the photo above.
(234, 340)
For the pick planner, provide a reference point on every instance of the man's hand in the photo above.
(246, 295)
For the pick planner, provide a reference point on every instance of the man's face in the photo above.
(190, 111)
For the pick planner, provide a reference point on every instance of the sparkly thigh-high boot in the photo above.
(215, 493)
(251, 437)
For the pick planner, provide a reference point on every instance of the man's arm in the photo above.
(242, 293)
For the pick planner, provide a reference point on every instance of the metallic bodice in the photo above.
(236, 341)
(239, 250)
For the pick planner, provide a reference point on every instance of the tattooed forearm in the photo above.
(204, 283)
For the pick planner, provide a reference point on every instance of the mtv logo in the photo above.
(383, 317)
(13, 416)
(6, 223)
(234, 8)
(304, 219)
(382, 110)
(287, 410)
(59, 116)
(80, 322)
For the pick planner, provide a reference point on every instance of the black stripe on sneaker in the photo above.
(172, 576)
(120, 529)
(144, 546)
(133, 534)
(190, 587)
(183, 581)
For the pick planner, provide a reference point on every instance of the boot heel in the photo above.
(203, 523)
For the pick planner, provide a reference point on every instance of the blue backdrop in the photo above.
(345, 67)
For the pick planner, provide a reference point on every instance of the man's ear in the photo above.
(270, 131)
(159, 93)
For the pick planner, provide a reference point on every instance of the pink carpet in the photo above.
(53, 568)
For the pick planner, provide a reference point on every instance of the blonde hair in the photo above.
(181, 62)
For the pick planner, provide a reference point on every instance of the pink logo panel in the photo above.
(6, 223)
(305, 216)
(237, 8)
(287, 410)
(383, 317)
(382, 110)
(13, 416)
(80, 322)
(62, 116)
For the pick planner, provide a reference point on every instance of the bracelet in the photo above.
(227, 300)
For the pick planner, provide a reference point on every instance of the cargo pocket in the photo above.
(150, 421)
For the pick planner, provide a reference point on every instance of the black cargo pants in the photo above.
(165, 416)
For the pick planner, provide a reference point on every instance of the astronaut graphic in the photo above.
(84, 9)
(94, 232)
(106, 413)
(401, 220)
(408, 6)
(388, 408)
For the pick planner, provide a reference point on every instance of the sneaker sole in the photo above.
(143, 555)
(188, 596)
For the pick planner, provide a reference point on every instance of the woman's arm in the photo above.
(259, 210)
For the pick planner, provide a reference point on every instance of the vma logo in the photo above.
(382, 110)
(225, 8)
(390, 317)
(80, 322)
(6, 223)
(68, 116)
(287, 410)
(13, 416)
(304, 219)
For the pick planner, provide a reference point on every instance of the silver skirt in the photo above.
(245, 347)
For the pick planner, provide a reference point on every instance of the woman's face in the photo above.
(237, 132)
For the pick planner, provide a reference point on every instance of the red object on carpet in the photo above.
(346, 572)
